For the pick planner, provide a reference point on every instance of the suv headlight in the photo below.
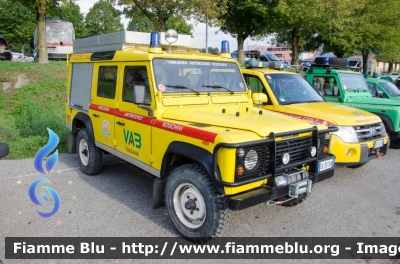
(250, 160)
(347, 134)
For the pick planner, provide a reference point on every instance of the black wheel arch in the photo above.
(83, 120)
(387, 121)
(195, 154)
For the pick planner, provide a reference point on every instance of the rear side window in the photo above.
(107, 81)
(3, 41)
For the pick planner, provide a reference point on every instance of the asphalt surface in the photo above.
(361, 202)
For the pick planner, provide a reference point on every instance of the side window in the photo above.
(135, 75)
(254, 83)
(373, 88)
(326, 85)
(107, 81)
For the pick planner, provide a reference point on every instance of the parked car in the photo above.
(16, 56)
(5, 52)
(390, 76)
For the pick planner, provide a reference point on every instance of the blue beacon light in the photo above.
(155, 43)
(225, 52)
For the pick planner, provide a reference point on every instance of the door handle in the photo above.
(120, 123)
(96, 115)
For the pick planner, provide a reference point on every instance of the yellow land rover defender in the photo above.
(188, 119)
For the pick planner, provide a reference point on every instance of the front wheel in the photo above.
(90, 157)
(196, 210)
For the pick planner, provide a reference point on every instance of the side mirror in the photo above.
(3, 150)
(259, 98)
(138, 95)
(379, 93)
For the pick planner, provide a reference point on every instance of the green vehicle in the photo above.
(340, 85)
(381, 88)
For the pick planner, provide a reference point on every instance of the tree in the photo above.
(177, 22)
(17, 24)
(40, 7)
(103, 18)
(70, 12)
(159, 12)
(211, 50)
(243, 19)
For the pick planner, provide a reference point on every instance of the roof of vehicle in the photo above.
(269, 71)
(376, 80)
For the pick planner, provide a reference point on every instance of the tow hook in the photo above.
(274, 202)
(378, 154)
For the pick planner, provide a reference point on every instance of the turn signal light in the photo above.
(239, 170)
(325, 149)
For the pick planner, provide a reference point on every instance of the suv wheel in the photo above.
(196, 210)
(90, 157)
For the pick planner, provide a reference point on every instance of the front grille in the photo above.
(297, 148)
(370, 132)
(262, 167)
(324, 140)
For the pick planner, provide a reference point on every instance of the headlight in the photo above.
(347, 134)
(313, 151)
(250, 161)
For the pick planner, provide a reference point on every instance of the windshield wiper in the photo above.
(182, 87)
(218, 87)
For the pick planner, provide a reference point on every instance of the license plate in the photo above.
(325, 165)
(378, 144)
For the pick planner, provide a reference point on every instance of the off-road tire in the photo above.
(357, 166)
(189, 185)
(395, 143)
(296, 201)
(90, 157)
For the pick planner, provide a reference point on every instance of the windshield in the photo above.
(391, 89)
(270, 56)
(353, 82)
(59, 31)
(352, 63)
(195, 76)
(292, 89)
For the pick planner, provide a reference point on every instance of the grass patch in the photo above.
(27, 112)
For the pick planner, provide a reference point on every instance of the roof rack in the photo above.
(330, 67)
(131, 39)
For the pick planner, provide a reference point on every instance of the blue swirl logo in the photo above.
(35, 200)
(50, 163)
(44, 151)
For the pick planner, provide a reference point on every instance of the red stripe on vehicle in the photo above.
(134, 117)
(307, 118)
(104, 109)
(186, 131)
(58, 44)
(168, 126)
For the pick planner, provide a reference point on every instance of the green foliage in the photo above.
(211, 50)
(17, 24)
(142, 24)
(25, 113)
(103, 18)
(245, 19)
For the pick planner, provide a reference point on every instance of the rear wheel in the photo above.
(395, 143)
(196, 210)
(90, 157)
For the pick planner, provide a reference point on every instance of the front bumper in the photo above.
(350, 154)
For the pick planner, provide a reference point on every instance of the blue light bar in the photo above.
(155, 41)
(225, 47)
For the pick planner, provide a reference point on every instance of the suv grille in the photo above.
(297, 148)
(324, 140)
(369, 132)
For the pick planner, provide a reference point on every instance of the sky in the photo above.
(199, 31)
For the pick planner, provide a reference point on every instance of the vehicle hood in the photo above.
(250, 120)
(330, 113)
(373, 101)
